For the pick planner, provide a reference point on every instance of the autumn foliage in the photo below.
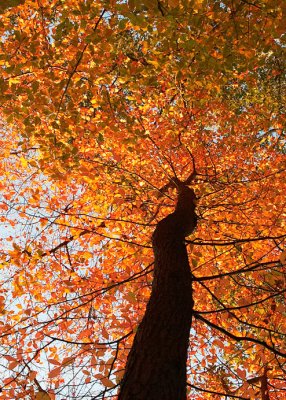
(102, 103)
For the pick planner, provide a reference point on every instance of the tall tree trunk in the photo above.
(156, 365)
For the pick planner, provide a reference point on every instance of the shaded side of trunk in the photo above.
(156, 365)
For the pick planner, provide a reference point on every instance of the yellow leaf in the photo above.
(95, 102)
(154, 62)
(14, 80)
(24, 162)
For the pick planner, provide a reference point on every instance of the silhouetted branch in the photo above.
(240, 338)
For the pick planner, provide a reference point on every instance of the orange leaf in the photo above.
(55, 372)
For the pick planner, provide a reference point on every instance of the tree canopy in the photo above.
(102, 103)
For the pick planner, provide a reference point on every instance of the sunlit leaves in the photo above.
(103, 103)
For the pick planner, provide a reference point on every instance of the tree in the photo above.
(106, 108)
(156, 365)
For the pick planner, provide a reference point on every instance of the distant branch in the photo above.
(227, 309)
(217, 393)
(91, 342)
(240, 338)
(77, 64)
(82, 233)
(247, 268)
(201, 242)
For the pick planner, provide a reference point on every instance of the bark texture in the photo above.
(156, 365)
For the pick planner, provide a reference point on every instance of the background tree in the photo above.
(101, 104)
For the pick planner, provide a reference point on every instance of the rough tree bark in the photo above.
(156, 365)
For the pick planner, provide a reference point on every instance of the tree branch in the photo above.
(217, 393)
(240, 338)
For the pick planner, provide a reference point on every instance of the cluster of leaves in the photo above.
(101, 103)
